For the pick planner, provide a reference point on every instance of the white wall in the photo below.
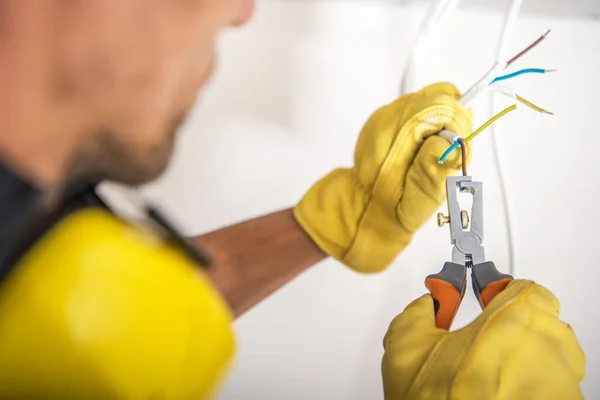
(286, 106)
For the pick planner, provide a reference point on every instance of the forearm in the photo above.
(255, 258)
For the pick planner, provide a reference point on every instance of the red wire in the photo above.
(528, 48)
(463, 151)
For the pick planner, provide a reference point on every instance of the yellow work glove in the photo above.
(365, 215)
(516, 349)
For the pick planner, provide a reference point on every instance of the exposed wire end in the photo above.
(532, 106)
(551, 70)
(477, 132)
(519, 72)
(528, 49)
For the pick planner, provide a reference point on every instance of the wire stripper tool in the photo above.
(466, 232)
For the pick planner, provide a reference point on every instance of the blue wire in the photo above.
(447, 152)
(520, 72)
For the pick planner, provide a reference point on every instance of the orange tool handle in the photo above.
(488, 282)
(446, 300)
(447, 289)
(492, 290)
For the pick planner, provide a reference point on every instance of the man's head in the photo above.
(114, 79)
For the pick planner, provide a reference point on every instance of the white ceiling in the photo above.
(587, 9)
(584, 9)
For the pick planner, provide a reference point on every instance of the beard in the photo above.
(136, 158)
(108, 156)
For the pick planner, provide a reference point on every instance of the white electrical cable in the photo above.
(507, 29)
(482, 84)
(431, 27)
(449, 136)
(505, 90)
(429, 21)
(501, 53)
(442, 22)
(438, 16)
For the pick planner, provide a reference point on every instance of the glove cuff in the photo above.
(326, 215)
(342, 220)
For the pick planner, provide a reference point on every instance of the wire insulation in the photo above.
(505, 90)
(519, 72)
(491, 121)
(527, 49)
(448, 151)
(463, 153)
(477, 132)
(491, 75)
(510, 92)
(481, 84)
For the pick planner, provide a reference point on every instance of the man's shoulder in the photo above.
(75, 197)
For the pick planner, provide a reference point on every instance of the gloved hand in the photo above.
(516, 349)
(366, 215)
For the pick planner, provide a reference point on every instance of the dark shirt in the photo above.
(24, 218)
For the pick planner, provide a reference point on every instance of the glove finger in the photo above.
(539, 309)
(418, 317)
(542, 319)
(424, 188)
(408, 345)
(400, 133)
(536, 296)
(573, 351)
(440, 88)
(547, 309)
(544, 299)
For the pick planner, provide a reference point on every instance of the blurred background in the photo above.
(286, 105)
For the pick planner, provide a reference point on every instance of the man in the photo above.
(95, 90)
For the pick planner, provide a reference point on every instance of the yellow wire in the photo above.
(531, 105)
(491, 121)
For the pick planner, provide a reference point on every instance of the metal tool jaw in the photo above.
(468, 243)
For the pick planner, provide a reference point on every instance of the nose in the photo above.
(245, 12)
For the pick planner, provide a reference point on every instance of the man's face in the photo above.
(133, 69)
